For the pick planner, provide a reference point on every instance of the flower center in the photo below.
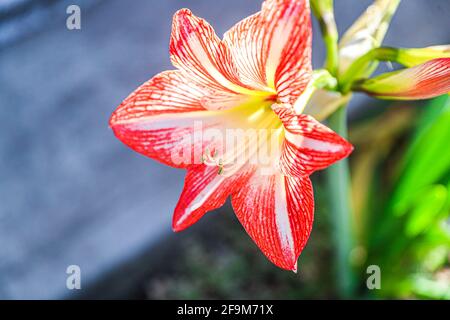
(252, 136)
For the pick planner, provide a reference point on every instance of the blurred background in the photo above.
(72, 194)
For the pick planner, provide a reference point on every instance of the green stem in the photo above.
(358, 69)
(332, 58)
(323, 11)
(338, 178)
(338, 174)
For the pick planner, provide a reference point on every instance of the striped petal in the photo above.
(205, 190)
(308, 145)
(196, 50)
(423, 81)
(162, 119)
(277, 212)
(273, 48)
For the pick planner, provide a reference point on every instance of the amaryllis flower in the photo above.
(249, 85)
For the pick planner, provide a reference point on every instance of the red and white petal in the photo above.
(223, 100)
(246, 46)
(205, 190)
(308, 145)
(195, 49)
(423, 81)
(162, 119)
(277, 212)
(166, 92)
(273, 48)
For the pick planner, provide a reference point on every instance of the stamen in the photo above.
(220, 171)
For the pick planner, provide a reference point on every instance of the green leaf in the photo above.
(427, 210)
(428, 159)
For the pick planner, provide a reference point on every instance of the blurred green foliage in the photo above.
(409, 233)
